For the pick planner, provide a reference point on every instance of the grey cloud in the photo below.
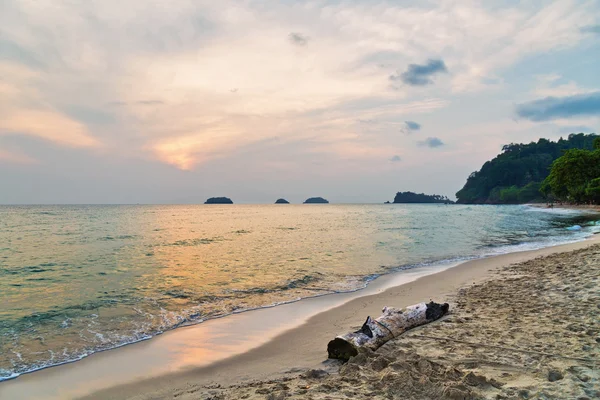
(560, 107)
(89, 115)
(187, 32)
(431, 142)
(11, 51)
(150, 102)
(490, 81)
(412, 125)
(116, 103)
(420, 75)
(381, 58)
(298, 39)
(139, 102)
(591, 29)
(396, 158)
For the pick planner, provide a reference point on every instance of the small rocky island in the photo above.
(219, 200)
(282, 201)
(411, 197)
(316, 200)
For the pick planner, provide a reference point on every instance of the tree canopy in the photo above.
(575, 177)
(516, 174)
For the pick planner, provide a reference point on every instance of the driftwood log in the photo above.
(375, 332)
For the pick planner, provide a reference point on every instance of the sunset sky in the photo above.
(144, 101)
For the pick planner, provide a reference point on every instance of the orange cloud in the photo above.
(47, 125)
(13, 157)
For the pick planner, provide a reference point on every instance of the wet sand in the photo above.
(481, 313)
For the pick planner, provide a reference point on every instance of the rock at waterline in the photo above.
(282, 201)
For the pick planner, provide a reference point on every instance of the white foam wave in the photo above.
(554, 210)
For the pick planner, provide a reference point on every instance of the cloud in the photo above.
(549, 108)
(47, 125)
(490, 81)
(395, 158)
(411, 126)
(298, 39)
(554, 85)
(150, 102)
(420, 75)
(16, 157)
(89, 115)
(431, 142)
(11, 51)
(117, 67)
(575, 129)
(591, 29)
(136, 102)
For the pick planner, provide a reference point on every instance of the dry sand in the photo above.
(520, 326)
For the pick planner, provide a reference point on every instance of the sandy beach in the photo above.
(522, 325)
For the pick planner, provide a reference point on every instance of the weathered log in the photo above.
(375, 332)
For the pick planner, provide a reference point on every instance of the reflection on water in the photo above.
(75, 279)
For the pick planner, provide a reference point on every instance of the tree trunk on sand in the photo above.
(375, 332)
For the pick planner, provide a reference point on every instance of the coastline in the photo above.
(307, 336)
(582, 207)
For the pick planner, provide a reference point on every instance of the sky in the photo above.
(147, 101)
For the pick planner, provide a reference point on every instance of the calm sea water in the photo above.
(78, 279)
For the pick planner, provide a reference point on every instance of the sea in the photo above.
(77, 279)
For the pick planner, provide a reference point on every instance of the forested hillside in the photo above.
(516, 174)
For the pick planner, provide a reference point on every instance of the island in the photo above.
(282, 201)
(316, 200)
(219, 200)
(411, 197)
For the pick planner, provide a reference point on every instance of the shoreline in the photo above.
(582, 207)
(531, 331)
(308, 335)
(409, 270)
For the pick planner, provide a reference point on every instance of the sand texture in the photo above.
(531, 331)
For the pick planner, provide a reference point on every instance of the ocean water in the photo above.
(79, 279)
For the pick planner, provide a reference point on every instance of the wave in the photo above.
(557, 210)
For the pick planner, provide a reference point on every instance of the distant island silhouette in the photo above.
(282, 201)
(316, 200)
(219, 200)
(411, 197)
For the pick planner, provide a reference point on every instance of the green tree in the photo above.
(593, 190)
(529, 192)
(509, 195)
(571, 174)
